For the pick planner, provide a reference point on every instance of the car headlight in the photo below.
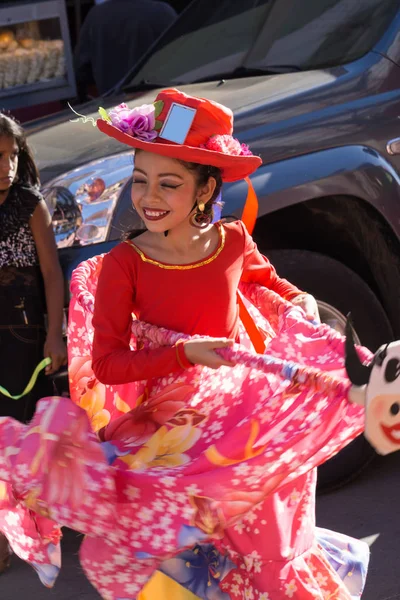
(82, 201)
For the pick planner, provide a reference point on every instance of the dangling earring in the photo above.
(200, 219)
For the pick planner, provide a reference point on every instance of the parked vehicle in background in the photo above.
(316, 93)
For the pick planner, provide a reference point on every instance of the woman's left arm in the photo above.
(42, 231)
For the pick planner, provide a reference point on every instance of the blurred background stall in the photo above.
(38, 43)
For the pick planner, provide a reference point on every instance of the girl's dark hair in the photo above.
(27, 172)
(203, 174)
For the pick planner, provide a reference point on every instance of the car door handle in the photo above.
(393, 147)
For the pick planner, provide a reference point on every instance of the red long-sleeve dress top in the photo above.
(197, 298)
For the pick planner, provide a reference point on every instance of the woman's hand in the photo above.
(201, 352)
(55, 349)
(309, 304)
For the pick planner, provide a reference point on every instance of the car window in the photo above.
(322, 34)
(214, 38)
(211, 36)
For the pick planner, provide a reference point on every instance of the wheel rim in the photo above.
(334, 318)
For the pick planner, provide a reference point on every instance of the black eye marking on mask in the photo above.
(392, 370)
(395, 409)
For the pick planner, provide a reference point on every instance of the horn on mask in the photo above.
(357, 372)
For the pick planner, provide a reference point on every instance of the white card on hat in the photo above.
(177, 123)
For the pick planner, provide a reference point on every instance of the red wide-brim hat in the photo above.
(183, 127)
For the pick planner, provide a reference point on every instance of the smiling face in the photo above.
(382, 427)
(164, 191)
(8, 162)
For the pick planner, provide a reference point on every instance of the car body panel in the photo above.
(356, 171)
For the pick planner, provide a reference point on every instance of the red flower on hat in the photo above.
(227, 145)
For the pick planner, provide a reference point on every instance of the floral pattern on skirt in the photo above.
(208, 476)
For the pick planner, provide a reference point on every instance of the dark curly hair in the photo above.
(27, 172)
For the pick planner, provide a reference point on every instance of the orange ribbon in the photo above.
(249, 218)
(250, 210)
(251, 328)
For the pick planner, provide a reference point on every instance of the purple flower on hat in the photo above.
(138, 122)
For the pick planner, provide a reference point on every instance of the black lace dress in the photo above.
(22, 306)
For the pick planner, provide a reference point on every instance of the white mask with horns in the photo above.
(377, 387)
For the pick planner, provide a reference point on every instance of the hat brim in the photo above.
(233, 168)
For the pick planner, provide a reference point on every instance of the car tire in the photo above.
(336, 285)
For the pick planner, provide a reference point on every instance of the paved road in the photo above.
(367, 508)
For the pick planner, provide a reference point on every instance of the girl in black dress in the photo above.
(31, 282)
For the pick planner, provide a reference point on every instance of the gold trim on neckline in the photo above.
(195, 265)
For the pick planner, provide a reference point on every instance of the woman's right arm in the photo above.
(113, 361)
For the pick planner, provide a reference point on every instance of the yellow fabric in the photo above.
(161, 587)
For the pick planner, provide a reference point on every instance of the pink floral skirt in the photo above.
(207, 476)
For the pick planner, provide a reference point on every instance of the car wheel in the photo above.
(338, 291)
